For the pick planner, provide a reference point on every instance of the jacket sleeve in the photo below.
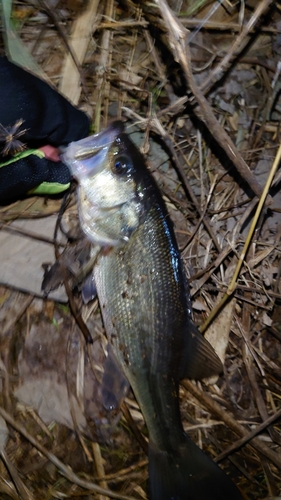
(31, 173)
(33, 114)
(48, 118)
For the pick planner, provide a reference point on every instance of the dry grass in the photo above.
(206, 88)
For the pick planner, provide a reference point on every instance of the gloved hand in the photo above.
(35, 120)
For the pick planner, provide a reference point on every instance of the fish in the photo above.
(145, 304)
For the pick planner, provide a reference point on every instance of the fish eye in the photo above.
(122, 164)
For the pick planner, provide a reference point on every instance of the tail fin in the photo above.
(188, 474)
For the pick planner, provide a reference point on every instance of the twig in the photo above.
(64, 469)
(52, 13)
(250, 359)
(99, 467)
(177, 40)
(174, 108)
(72, 304)
(28, 234)
(201, 218)
(223, 26)
(82, 30)
(232, 285)
(124, 473)
(207, 272)
(213, 8)
(238, 45)
(128, 23)
(216, 410)
(13, 319)
(101, 93)
(138, 435)
(249, 436)
(22, 490)
(75, 397)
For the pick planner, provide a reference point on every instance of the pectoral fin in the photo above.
(89, 290)
(199, 358)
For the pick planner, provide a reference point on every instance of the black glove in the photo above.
(33, 114)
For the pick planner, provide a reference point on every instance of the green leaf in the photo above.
(15, 48)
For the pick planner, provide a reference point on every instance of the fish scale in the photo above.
(139, 273)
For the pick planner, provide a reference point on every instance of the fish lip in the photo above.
(96, 145)
(100, 140)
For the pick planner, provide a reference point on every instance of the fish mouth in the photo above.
(85, 156)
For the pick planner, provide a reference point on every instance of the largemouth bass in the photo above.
(144, 300)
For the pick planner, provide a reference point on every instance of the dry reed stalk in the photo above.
(82, 29)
